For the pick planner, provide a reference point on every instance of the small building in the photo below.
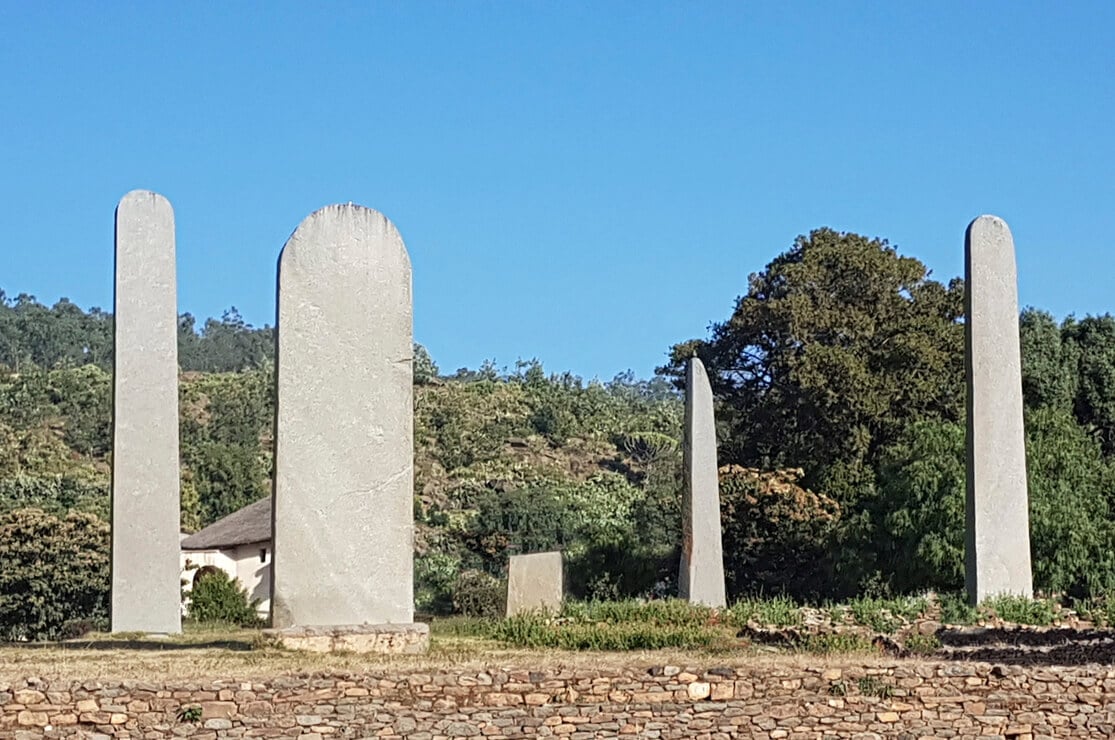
(240, 545)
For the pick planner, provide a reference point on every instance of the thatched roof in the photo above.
(243, 527)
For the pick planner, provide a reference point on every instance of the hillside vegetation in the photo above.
(840, 389)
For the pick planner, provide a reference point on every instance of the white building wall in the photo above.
(193, 560)
(243, 563)
(253, 569)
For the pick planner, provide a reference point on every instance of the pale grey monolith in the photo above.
(534, 582)
(997, 551)
(701, 578)
(146, 595)
(343, 503)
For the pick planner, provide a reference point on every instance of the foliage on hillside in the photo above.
(840, 389)
(504, 463)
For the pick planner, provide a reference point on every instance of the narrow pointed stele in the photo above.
(701, 578)
(997, 546)
(343, 500)
(146, 594)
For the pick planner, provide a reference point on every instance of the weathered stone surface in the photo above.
(997, 549)
(344, 455)
(701, 577)
(770, 698)
(535, 582)
(145, 494)
(383, 639)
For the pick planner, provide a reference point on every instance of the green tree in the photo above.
(189, 352)
(1090, 342)
(56, 570)
(231, 344)
(425, 369)
(915, 527)
(1072, 536)
(1049, 377)
(226, 478)
(76, 490)
(918, 538)
(837, 346)
(82, 397)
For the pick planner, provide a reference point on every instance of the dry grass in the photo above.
(242, 654)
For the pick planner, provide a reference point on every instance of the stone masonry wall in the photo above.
(868, 701)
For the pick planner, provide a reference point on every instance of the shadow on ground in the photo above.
(1027, 646)
(136, 644)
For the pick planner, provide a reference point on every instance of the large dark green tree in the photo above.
(1089, 349)
(917, 540)
(836, 347)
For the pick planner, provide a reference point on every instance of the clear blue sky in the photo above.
(585, 183)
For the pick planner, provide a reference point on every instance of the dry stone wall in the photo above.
(914, 700)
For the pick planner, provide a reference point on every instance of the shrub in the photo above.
(1099, 609)
(543, 631)
(776, 532)
(664, 612)
(1021, 610)
(922, 644)
(617, 625)
(218, 598)
(435, 578)
(1072, 536)
(833, 643)
(778, 611)
(955, 609)
(918, 516)
(885, 615)
(462, 627)
(73, 629)
(872, 686)
(477, 594)
(55, 570)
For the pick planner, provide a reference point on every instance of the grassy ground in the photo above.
(186, 660)
(593, 634)
(212, 653)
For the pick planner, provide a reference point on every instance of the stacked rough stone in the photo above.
(701, 576)
(997, 549)
(762, 701)
(344, 459)
(535, 582)
(145, 482)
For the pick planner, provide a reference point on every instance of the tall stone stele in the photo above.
(343, 502)
(997, 547)
(701, 577)
(146, 594)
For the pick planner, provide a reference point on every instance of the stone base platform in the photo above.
(386, 639)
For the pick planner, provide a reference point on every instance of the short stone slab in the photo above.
(384, 639)
(535, 582)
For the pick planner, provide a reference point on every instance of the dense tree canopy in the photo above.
(55, 573)
(845, 359)
(836, 346)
